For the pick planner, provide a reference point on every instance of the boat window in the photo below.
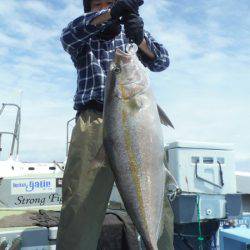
(221, 160)
(195, 159)
(208, 160)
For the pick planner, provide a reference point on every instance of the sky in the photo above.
(205, 91)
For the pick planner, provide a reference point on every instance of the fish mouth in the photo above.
(122, 58)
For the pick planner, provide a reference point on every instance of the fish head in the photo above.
(131, 76)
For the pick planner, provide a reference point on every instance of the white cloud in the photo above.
(38, 8)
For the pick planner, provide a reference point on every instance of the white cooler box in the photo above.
(202, 167)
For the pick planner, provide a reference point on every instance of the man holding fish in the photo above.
(94, 40)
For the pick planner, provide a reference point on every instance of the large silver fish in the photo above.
(133, 142)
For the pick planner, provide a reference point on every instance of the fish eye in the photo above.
(117, 69)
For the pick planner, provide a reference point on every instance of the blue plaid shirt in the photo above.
(92, 56)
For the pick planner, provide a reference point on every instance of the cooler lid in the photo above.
(200, 145)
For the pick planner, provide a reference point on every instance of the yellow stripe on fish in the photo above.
(133, 165)
(123, 91)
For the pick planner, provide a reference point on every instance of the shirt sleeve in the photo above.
(78, 32)
(161, 61)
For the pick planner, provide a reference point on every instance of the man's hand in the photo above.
(123, 7)
(111, 31)
(134, 28)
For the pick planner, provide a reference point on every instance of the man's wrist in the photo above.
(146, 50)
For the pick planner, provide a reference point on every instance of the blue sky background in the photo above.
(205, 91)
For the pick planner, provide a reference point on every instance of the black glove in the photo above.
(123, 7)
(111, 31)
(133, 25)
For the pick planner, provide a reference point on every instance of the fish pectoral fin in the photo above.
(164, 118)
(99, 160)
(136, 103)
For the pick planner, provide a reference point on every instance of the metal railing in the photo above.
(68, 135)
(16, 133)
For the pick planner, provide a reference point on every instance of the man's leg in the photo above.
(87, 184)
(166, 239)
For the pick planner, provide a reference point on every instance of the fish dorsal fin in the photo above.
(164, 118)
